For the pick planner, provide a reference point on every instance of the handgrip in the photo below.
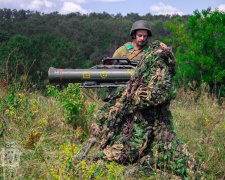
(118, 59)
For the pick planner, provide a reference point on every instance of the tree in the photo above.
(200, 54)
(14, 57)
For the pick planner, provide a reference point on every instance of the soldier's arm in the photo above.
(120, 52)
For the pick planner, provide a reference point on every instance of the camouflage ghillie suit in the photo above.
(136, 125)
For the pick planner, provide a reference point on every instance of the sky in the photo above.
(142, 7)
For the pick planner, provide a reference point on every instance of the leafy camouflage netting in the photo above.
(136, 125)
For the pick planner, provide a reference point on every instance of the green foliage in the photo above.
(199, 114)
(200, 49)
(14, 103)
(37, 126)
(68, 169)
(38, 41)
(31, 42)
(27, 59)
(14, 57)
(73, 102)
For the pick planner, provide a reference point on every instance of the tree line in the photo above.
(31, 42)
(66, 41)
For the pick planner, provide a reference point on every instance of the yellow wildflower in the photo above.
(21, 97)
(42, 122)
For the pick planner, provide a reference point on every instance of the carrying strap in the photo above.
(135, 53)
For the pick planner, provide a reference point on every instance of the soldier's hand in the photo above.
(163, 45)
(104, 58)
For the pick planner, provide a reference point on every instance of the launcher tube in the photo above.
(82, 75)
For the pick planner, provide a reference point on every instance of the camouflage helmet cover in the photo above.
(141, 24)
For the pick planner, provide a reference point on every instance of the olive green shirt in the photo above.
(127, 50)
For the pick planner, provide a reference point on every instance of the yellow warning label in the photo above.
(129, 71)
(103, 74)
(86, 74)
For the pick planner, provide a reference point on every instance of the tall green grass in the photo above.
(48, 131)
(199, 121)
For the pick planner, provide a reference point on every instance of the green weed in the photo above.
(38, 127)
(73, 101)
(199, 121)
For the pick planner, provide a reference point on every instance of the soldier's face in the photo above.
(141, 36)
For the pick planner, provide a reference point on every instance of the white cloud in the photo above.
(37, 4)
(92, 1)
(48, 4)
(76, 1)
(110, 0)
(69, 7)
(163, 9)
(6, 1)
(221, 7)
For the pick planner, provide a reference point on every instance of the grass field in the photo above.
(38, 139)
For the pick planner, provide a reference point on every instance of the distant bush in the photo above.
(200, 50)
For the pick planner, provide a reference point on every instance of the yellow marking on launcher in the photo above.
(129, 71)
(86, 74)
(103, 74)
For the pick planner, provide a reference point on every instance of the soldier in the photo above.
(136, 125)
(140, 31)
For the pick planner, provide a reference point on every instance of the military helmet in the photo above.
(141, 24)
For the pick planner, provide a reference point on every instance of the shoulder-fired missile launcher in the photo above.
(102, 76)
